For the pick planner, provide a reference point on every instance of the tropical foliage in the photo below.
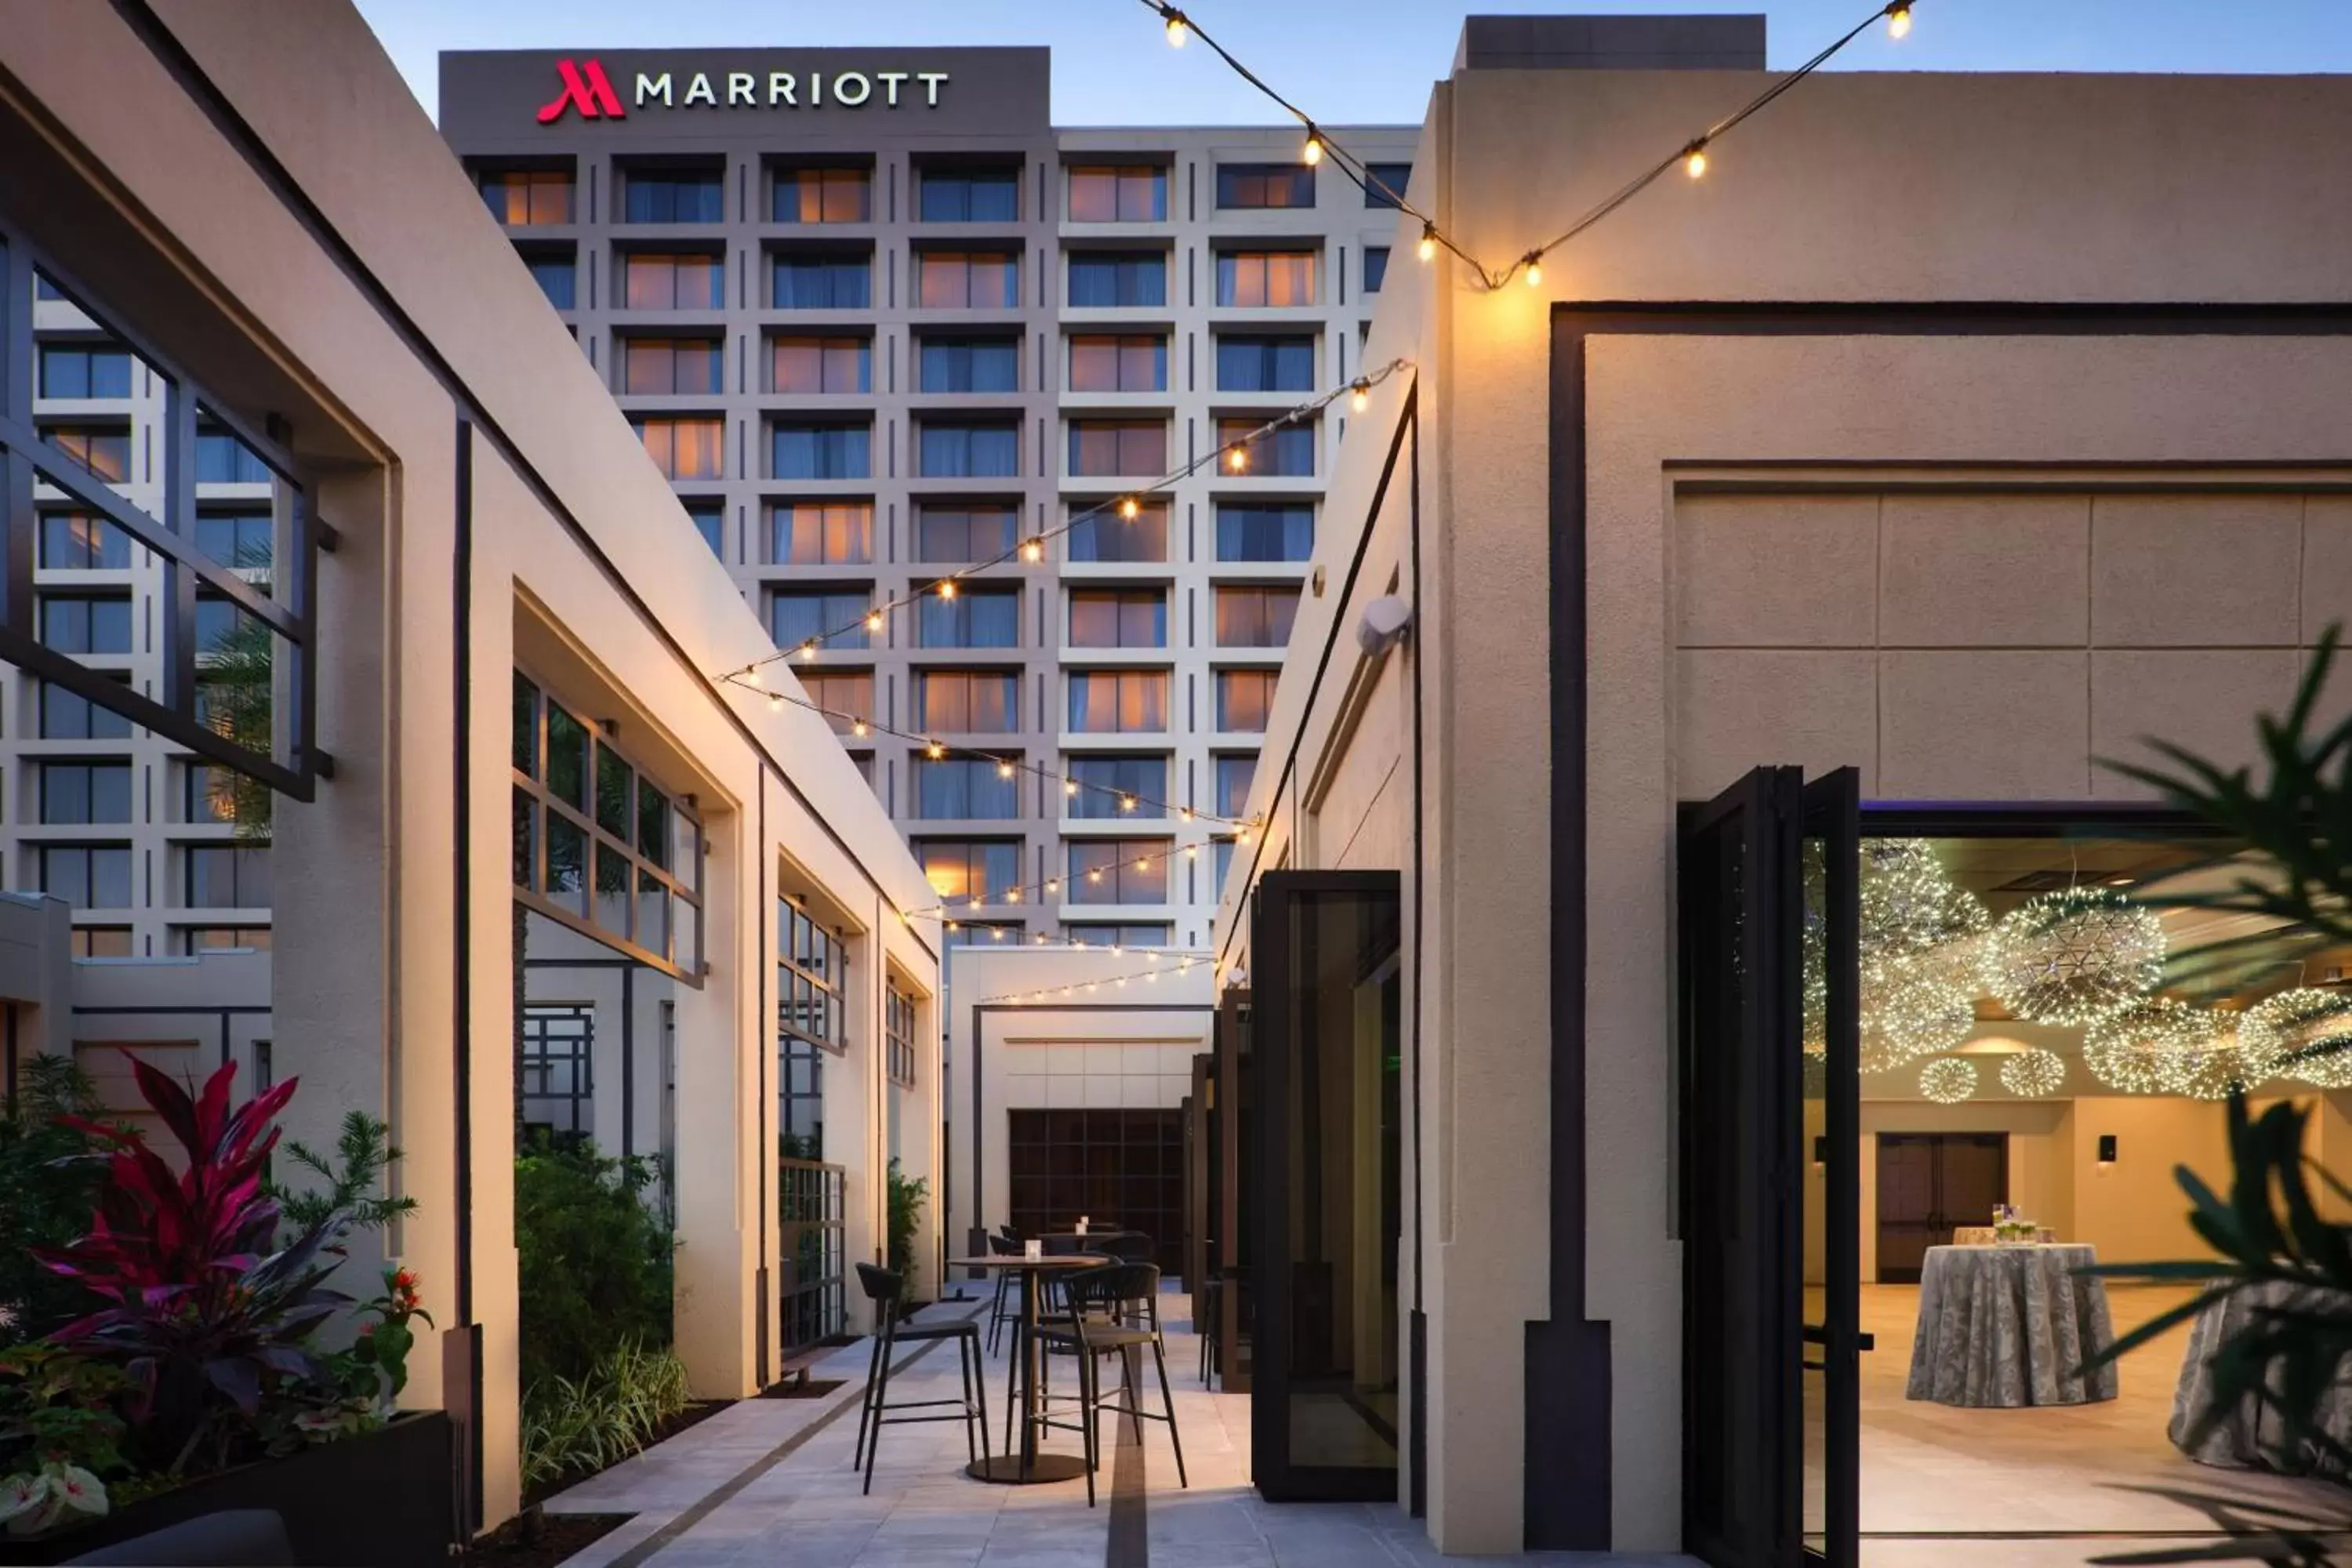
(50, 1175)
(574, 1424)
(352, 1177)
(906, 1198)
(593, 1259)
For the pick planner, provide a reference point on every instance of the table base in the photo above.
(1006, 1469)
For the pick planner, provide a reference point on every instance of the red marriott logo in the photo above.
(586, 89)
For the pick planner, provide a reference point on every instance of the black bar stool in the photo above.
(1112, 1311)
(999, 1312)
(885, 1290)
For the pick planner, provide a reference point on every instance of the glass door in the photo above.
(1830, 1064)
(1323, 1193)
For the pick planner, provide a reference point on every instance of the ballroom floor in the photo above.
(1931, 1473)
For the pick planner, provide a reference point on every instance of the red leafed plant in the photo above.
(206, 1314)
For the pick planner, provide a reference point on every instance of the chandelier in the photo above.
(2305, 1033)
(2032, 1074)
(1947, 1081)
(2228, 1065)
(2148, 1046)
(1911, 1007)
(1917, 968)
(2072, 957)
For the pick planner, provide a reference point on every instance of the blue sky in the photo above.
(1369, 60)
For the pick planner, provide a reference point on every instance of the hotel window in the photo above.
(820, 366)
(673, 195)
(811, 964)
(1118, 617)
(558, 276)
(86, 876)
(821, 533)
(965, 788)
(1266, 363)
(1118, 870)
(898, 1036)
(846, 692)
(710, 519)
(671, 365)
(823, 196)
(69, 716)
(208, 793)
(1122, 193)
(1104, 536)
(223, 459)
(970, 196)
(821, 283)
(977, 701)
(967, 279)
(1245, 698)
(803, 451)
(1124, 363)
(83, 541)
(1111, 449)
(1264, 186)
(245, 538)
(975, 618)
(795, 616)
(683, 446)
(218, 623)
(103, 451)
(1248, 278)
(1117, 278)
(225, 876)
(1113, 934)
(1106, 783)
(1256, 617)
(969, 448)
(955, 532)
(963, 868)
(521, 197)
(101, 941)
(1285, 453)
(969, 365)
(86, 622)
(1376, 268)
(1384, 183)
(190, 941)
(1283, 532)
(1118, 701)
(83, 792)
(84, 370)
(1234, 771)
(1222, 852)
(667, 282)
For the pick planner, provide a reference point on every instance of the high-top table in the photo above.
(2009, 1326)
(2252, 1436)
(1028, 1467)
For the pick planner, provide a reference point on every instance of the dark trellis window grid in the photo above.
(597, 846)
(899, 1034)
(41, 464)
(812, 1211)
(811, 964)
(559, 1051)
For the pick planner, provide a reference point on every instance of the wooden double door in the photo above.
(1929, 1183)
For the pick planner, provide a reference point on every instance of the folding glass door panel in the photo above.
(1323, 1193)
(1230, 1157)
(1830, 1064)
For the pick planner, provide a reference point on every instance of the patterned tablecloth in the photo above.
(2250, 1436)
(2009, 1326)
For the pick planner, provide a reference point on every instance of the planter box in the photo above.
(382, 1500)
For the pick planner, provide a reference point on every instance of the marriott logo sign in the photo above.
(583, 87)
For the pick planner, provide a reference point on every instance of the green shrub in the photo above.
(51, 1177)
(906, 1213)
(594, 1262)
(575, 1425)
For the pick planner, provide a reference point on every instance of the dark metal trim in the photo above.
(461, 848)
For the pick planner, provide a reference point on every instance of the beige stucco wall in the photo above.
(1989, 644)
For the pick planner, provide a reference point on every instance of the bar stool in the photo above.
(999, 1312)
(1113, 1309)
(1205, 1321)
(885, 1290)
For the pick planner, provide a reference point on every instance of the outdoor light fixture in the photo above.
(808, 650)
(1034, 550)
(1898, 21)
(1428, 242)
(1383, 625)
(1237, 459)
(1129, 509)
(1312, 154)
(1360, 396)
(873, 620)
(1175, 27)
(1694, 159)
(947, 588)
(1004, 769)
(1534, 264)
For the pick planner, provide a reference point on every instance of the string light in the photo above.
(1181, 965)
(1360, 398)
(1692, 153)
(1237, 459)
(751, 675)
(857, 728)
(946, 587)
(1004, 769)
(1129, 509)
(873, 620)
(776, 701)
(935, 751)
(808, 650)
(1032, 551)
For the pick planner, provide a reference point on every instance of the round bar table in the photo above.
(1029, 1468)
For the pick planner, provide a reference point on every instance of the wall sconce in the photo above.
(1820, 1151)
(2106, 1152)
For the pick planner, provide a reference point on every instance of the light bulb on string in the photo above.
(1360, 396)
(1898, 21)
(1533, 264)
(1694, 159)
(1183, 813)
(1237, 459)
(1312, 154)
(1003, 769)
(934, 750)
(946, 587)
(1127, 803)
(873, 620)
(1176, 29)
(1428, 248)
(776, 701)
(1129, 509)
(1069, 786)
(1032, 551)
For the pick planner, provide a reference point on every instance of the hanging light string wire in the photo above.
(1018, 893)
(1079, 987)
(1691, 154)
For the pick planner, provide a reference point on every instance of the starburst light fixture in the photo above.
(2227, 1066)
(1911, 1007)
(2305, 1033)
(2145, 1048)
(1917, 929)
(2074, 956)
(1947, 1081)
(2032, 1074)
